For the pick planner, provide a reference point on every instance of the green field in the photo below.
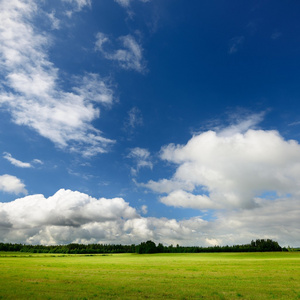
(156, 276)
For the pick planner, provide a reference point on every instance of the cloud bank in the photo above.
(70, 216)
(29, 86)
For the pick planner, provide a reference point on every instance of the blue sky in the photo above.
(128, 120)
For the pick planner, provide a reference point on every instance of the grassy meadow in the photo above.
(154, 276)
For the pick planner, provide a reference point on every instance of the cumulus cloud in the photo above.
(232, 170)
(39, 218)
(276, 219)
(30, 89)
(12, 184)
(16, 162)
(66, 208)
(71, 216)
(130, 57)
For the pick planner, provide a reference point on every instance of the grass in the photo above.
(159, 276)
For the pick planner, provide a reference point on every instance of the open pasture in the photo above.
(156, 276)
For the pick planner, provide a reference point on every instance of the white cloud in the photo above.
(12, 184)
(242, 124)
(66, 208)
(142, 159)
(19, 163)
(232, 170)
(167, 186)
(79, 3)
(276, 219)
(139, 153)
(16, 162)
(30, 89)
(70, 216)
(129, 58)
(93, 89)
(180, 198)
(39, 218)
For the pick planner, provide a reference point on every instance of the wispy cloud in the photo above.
(16, 162)
(235, 44)
(77, 5)
(126, 3)
(133, 120)
(37, 161)
(19, 163)
(241, 125)
(130, 57)
(29, 88)
(142, 159)
(12, 184)
(55, 23)
(296, 123)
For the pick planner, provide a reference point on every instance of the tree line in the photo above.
(259, 245)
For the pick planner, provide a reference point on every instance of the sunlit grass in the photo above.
(159, 276)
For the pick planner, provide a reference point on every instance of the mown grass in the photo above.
(158, 276)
